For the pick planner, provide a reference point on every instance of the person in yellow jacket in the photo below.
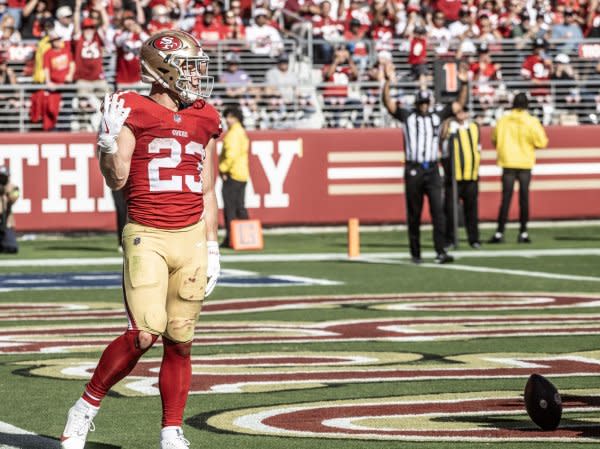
(234, 169)
(516, 137)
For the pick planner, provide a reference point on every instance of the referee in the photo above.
(461, 158)
(421, 175)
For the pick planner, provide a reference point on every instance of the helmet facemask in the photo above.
(193, 82)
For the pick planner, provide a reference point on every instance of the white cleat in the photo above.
(174, 441)
(79, 423)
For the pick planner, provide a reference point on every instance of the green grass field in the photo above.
(316, 350)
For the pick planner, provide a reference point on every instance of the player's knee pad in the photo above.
(181, 330)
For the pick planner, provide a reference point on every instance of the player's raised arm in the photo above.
(115, 142)
(211, 217)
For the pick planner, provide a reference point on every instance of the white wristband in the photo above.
(211, 244)
(107, 145)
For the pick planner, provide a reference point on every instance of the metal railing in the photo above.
(323, 105)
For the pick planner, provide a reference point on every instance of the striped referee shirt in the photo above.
(421, 133)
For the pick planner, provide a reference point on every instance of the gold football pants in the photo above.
(164, 278)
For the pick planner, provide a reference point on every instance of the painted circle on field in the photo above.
(490, 416)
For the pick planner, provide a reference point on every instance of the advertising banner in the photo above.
(308, 177)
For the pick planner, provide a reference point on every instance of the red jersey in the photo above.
(450, 8)
(484, 71)
(57, 61)
(383, 36)
(156, 26)
(357, 43)
(418, 51)
(534, 68)
(341, 77)
(326, 28)
(233, 32)
(164, 188)
(16, 3)
(88, 58)
(206, 34)
(128, 56)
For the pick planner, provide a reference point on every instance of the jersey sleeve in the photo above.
(401, 114)
(134, 120)
(217, 128)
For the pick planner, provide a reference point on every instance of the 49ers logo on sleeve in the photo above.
(168, 43)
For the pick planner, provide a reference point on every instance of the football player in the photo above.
(160, 150)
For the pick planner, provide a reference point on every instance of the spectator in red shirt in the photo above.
(161, 20)
(484, 73)
(450, 8)
(358, 10)
(59, 67)
(129, 41)
(510, 19)
(88, 44)
(326, 31)
(207, 29)
(343, 110)
(382, 31)
(537, 68)
(417, 55)
(233, 27)
(354, 36)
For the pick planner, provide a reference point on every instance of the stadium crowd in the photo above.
(353, 41)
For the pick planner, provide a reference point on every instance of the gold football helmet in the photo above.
(175, 60)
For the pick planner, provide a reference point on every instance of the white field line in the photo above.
(40, 236)
(311, 257)
(12, 437)
(458, 267)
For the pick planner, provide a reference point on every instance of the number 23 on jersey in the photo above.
(174, 158)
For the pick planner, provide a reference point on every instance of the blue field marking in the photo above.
(112, 279)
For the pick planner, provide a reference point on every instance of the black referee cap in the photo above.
(423, 96)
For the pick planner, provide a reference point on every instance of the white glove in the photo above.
(113, 116)
(213, 268)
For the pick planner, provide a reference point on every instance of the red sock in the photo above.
(174, 380)
(117, 361)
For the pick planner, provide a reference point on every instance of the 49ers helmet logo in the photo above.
(168, 43)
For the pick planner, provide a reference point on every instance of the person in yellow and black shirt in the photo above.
(234, 169)
(516, 137)
(462, 155)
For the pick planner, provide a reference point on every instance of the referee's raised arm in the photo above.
(389, 74)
